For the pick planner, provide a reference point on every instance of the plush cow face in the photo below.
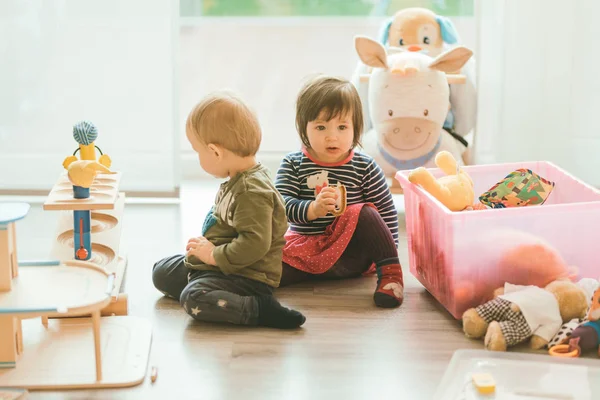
(408, 95)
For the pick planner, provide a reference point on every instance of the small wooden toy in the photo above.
(340, 203)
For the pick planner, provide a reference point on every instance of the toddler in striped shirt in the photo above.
(364, 238)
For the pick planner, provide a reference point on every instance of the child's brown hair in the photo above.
(222, 118)
(333, 96)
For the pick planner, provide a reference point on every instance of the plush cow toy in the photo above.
(408, 98)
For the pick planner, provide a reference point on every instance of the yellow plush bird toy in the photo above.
(455, 190)
(83, 172)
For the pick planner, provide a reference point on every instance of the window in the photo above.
(316, 8)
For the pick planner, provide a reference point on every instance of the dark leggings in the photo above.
(209, 295)
(371, 242)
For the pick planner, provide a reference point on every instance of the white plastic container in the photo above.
(520, 376)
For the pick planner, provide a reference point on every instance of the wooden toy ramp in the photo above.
(61, 355)
(106, 204)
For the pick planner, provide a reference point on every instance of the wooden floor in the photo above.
(348, 348)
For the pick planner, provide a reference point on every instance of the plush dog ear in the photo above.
(371, 52)
(447, 30)
(384, 33)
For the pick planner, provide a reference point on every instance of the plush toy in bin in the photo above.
(519, 313)
(520, 188)
(455, 190)
(504, 255)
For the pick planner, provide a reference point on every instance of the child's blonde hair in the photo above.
(335, 97)
(222, 118)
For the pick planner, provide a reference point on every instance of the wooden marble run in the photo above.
(89, 226)
(62, 353)
(82, 279)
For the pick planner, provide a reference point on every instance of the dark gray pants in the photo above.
(210, 295)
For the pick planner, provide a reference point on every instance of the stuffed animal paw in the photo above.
(68, 161)
(474, 326)
(105, 160)
(538, 342)
(494, 338)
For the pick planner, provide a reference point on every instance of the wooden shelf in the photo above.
(104, 193)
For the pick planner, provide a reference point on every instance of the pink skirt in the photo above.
(316, 254)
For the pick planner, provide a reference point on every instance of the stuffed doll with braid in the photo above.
(589, 332)
(585, 332)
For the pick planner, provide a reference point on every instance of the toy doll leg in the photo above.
(494, 310)
(170, 276)
(515, 331)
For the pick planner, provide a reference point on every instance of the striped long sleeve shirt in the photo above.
(299, 175)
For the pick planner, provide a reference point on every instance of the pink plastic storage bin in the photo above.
(457, 255)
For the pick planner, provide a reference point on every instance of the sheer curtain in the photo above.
(111, 62)
(539, 86)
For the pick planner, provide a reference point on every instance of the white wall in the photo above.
(265, 60)
(539, 84)
(109, 61)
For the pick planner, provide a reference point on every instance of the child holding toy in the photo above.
(228, 274)
(319, 244)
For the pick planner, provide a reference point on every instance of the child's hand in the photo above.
(324, 203)
(201, 248)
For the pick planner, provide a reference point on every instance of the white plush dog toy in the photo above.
(409, 101)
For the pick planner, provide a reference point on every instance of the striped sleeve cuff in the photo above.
(297, 210)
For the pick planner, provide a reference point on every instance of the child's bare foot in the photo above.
(390, 287)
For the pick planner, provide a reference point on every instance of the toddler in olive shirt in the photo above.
(228, 274)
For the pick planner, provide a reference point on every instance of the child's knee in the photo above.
(162, 270)
(192, 294)
(368, 214)
(160, 275)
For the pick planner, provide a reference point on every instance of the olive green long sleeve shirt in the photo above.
(247, 227)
